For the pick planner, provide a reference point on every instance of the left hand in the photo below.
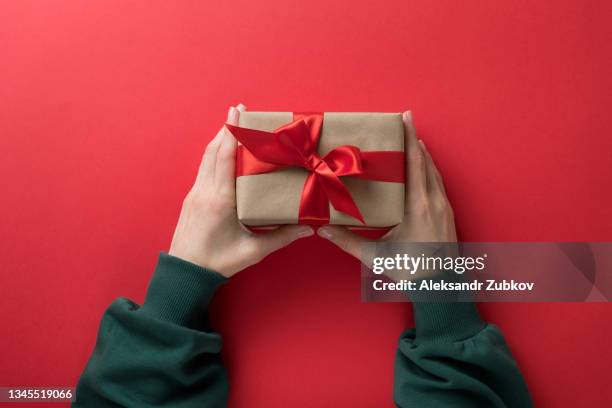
(208, 232)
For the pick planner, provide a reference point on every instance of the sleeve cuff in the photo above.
(180, 291)
(446, 322)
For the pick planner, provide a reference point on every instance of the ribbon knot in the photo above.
(295, 145)
(313, 162)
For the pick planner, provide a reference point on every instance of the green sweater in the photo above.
(165, 354)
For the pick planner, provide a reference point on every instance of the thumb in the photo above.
(347, 241)
(271, 241)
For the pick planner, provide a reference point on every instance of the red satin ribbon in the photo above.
(295, 144)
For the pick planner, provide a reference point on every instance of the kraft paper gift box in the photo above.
(274, 197)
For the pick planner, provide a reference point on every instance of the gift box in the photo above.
(320, 168)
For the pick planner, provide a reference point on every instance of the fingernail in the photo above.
(408, 115)
(241, 107)
(422, 143)
(305, 232)
(324, 232)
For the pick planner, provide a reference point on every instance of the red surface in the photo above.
(105, 109)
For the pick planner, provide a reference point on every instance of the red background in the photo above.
(105, 109)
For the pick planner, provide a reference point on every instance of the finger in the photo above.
(233, 115)
(346, 240)
(241, 107)
(207, 166)
(271, 241)
(225, 170)
(415, 161)
(434, 179)
(225, 167)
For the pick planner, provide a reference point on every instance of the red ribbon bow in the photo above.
(295, 144)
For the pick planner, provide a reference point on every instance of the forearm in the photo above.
(455, 359)
(163, 353)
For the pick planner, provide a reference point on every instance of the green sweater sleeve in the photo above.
(454, 359)
(163, 354)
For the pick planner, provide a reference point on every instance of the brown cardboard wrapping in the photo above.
(274, 198)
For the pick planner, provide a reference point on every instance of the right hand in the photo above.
(428, 214)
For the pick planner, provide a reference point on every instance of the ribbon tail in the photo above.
(338, 194)
(314, 205)
(344, 202)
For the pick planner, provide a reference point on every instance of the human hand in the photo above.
(208, 232)
(428, 214)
